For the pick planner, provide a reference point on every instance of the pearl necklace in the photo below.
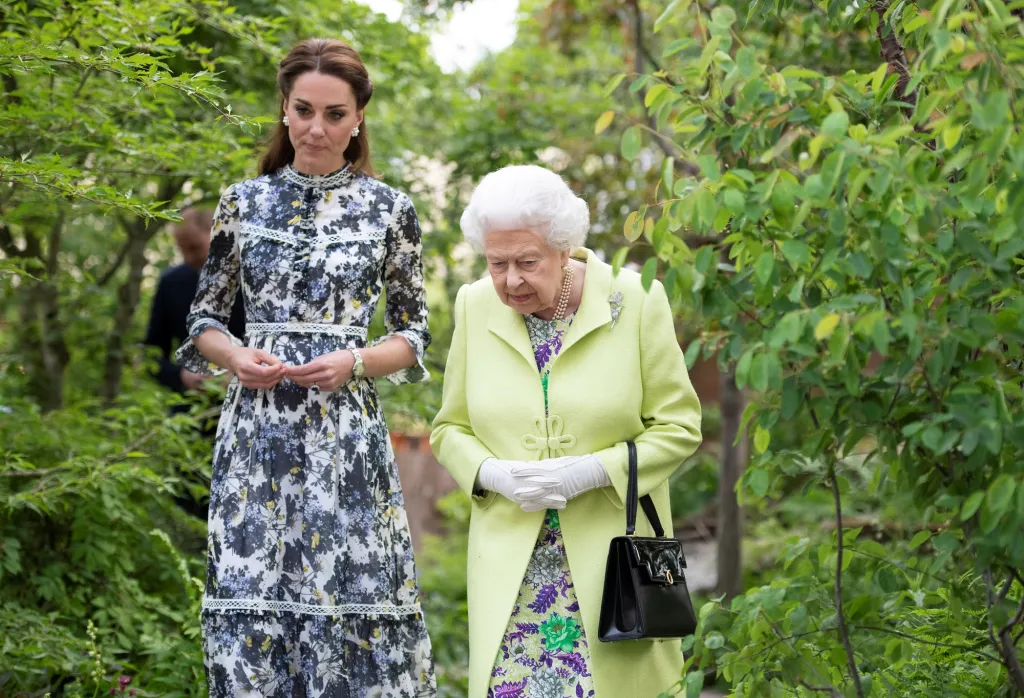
(563, 301)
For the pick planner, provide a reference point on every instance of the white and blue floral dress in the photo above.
(311, 587)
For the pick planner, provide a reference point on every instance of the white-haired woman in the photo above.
(555, 364)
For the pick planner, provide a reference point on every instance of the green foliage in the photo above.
(860, 267)
(90, 536)
(442, 576)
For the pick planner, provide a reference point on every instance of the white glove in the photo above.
(562, 478)
(531, 492)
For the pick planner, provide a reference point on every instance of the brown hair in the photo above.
(330, 57)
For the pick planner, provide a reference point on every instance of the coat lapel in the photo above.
(594, 311)
(508, 325)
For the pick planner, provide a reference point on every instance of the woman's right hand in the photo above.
(256, 368)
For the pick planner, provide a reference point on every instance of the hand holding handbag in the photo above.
(645, 594)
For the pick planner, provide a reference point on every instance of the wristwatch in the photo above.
(358, 368)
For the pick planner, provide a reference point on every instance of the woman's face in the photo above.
(526, 270)
(321, 111)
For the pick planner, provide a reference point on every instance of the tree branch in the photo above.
(53, 243)
(894, 54)
(951, 645)
(840, 617)
(118, 261)
(640, 51)
(1005, 644)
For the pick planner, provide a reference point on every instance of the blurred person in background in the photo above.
(173, 299)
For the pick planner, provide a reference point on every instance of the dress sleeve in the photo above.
(218, 285)
(406, 306)
(452, 439)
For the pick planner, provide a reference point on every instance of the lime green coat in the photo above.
(613, 381)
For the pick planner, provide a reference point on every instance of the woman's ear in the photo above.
(563, 258)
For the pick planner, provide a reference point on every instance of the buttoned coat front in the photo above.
(620, 376)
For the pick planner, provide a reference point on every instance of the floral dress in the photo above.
(311, 588)
(544, 652)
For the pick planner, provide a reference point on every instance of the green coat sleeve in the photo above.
(670, 410)
(452, 438)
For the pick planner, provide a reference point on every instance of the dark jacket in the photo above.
(171, 305)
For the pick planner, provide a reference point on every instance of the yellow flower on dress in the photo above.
(295, 220)
(316, 539)
(296, 203)
(266, 643)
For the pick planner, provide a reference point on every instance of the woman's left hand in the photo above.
(327, 372)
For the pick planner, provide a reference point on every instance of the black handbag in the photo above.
(645, 594)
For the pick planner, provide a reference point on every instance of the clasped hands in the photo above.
(258, 369)
(544, 484)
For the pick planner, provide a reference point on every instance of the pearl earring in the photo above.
(355, 132)
(285, 121)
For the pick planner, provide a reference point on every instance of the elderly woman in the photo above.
(555, 364)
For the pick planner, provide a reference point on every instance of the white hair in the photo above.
(526, 197)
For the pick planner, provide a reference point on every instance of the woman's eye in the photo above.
(301, 110)
(529, 264)
(337, 116)
(497, 265)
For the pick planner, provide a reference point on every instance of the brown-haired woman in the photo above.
(311, 586)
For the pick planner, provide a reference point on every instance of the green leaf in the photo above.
(915, 24)
(743, 368)
(694, 684)
(972, 505)
(951, 136)
(603, 122)
(612, 84)
(723, 15)
(618, 260)
(878, 77)
(1000, 494)
(919, 538)
(759, 373)
(836, 124)
(704, 259)
(764, 267)
(674, 7)
(715, 640)
(648, 272)
(762, 439)
(826, 326)
(668, 171)
(634, 226)
(796, 252)
(631, 142)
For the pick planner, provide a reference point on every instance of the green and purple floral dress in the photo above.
(544, 652)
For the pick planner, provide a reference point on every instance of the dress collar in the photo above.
(328, 181)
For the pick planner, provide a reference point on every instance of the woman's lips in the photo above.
(520, 299)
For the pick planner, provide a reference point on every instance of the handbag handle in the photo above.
(632, 490)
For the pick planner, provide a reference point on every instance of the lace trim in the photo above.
(261, 232)
(321, 241)
(376, 236)
(328, 181)
(349, 609)
(254, 328)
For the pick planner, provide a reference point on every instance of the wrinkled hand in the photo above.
(566, 477)
(328, 371)
(191, 381)
(531, 493)
(256, 368)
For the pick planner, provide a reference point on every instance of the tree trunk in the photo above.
(48, 353)
(730, 514)
(128, 295)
